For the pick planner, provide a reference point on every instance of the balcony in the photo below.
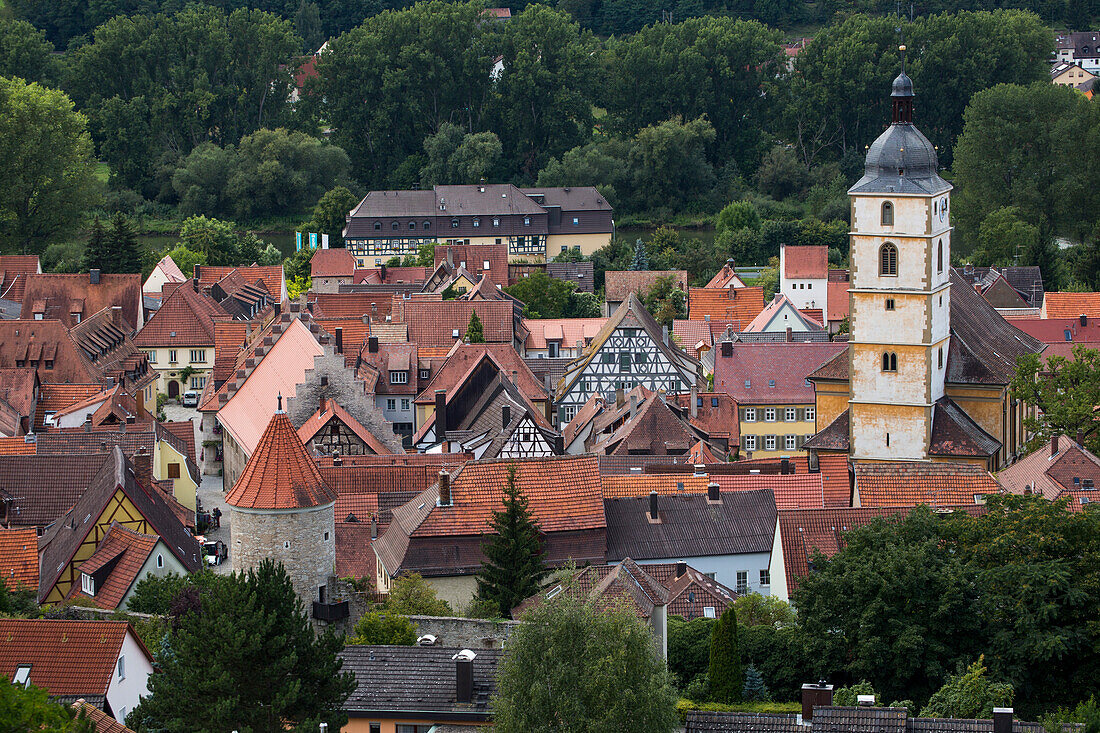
(330, 611)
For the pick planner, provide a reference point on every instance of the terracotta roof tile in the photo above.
(185, 319)
(463, 357)
(776, 373)
(804, 263)
(352, 305)
(19, 558)
(474, 257)
(333, 409)
(433, 323)
(689, 333)
(67, 658)
(715, 414)
(905, 483)
(334, 262)
(14, 270)
(838, 299)
(354, 556)
(566, 331)
(27, 341)
(210, 275)
(185, 431)
(733, 306)
(618, 487)
(792, 491)
(618, 284)
(17, 446)
(128, 550)
(103, 722)
(1071, 305)
(60, 293)
(280, 474)
(726, 278)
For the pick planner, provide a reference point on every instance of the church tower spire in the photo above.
(900, 290)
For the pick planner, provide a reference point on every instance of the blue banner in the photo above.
(313, 240)
(298, 240)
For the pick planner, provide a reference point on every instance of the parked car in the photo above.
(215, 552)
(190, 398)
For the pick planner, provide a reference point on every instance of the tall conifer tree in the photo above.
(124, 254)
(475, 333)
(97, 251)
(512, 569)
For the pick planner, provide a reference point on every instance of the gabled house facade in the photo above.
(179, 339)
(629, 350)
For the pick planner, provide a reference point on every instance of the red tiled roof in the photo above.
(689, 333)
(185, 431)
(813, 314)
(14, 270)
(61, 293)
(185, 319)
(474, 256)
(19, 558)
(103, 722)
(1072, 471)
(58, 397)
(806, 262)
(352, 305)
(17, 446)
(354, 556)
(619, 284)
(734, 306)
(335, 262)
(905, 483)
(459, 365)
(838, 300)
(280, 474)
(563, 494)
(618, 487)
(726, 278)
(67, 658)
(210, 275)
(835, 480)
(332, 409)
(792, 491)
(1071, 305)
(566, 331)
(432, 323)
(129, 550)
(17, 388)
(760, 364)
(1053, 331)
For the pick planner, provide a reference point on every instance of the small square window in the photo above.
(710, 612)
(714, 402)
(765, 577)
(889, 304)
(790, 442)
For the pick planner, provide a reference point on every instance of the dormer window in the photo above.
(412, 225)
(75, 317)
(526, 221)
(377, 226)
(39, 316)
(22, 675)
(399, 377)
(477, 222)
(87, 584)
(496, 221)
(454, 223)
(393, 226)
(888, 213)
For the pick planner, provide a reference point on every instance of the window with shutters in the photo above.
(769, 414)
(769, 442)
(811, 414)
(790, 414)
(750, 442)
(790, 442)
(750, 414)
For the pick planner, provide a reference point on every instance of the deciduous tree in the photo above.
(383, 627)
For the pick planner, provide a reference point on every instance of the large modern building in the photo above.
(537, 224)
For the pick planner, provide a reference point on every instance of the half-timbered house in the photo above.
(629, 350)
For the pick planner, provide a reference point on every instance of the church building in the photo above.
(925, 376)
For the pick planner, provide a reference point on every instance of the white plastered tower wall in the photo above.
(900, 315)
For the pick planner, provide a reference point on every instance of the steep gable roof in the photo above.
(127, 551)
(620, 284)
(67, 658)
(631, 314)
(332, 262)
(280, 473)
(38, 489)
(461, 359)
(726, 277)
(771, 373)
(433, 322)
(792, 317)
(733, 306)
(272, 276)
(185, 319)
(14, 270)
(333, 409)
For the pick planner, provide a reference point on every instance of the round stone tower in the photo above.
(281, 508)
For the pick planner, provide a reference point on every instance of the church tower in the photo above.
(900, 294)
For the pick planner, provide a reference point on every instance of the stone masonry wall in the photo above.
(310, 558)
(465, 633)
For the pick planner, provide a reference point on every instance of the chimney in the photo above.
(1053, 446)
(1080, 438)
(785, 467)
(374, 527)
(382, 274)
(505, 415)
(815, 695)
(559, 445)
(337, 460)
(1002, 720)
(1027, 489)
(88, 424)
(633, 404)
(464, 676)
(339, 339)
(515, 376)
(372, 344)
(694, 401)
(143, 467)
(444, 488)
(619, 399)
(116, 314)
(93, 276)
(131, 419)
(1084, 320)
(441, 414)
(727, 349)
(681, 568)
(714, 495)
(865, 701)
(653, 506)
(700, 470)
(790, 336)
(278, 309)
(664, 334)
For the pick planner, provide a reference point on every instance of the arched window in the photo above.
(394, 226)
(377, 226)
(454, 223)
(889, 361)
(939, 256)
(887, 214)
(412, 225)
(477, 222)
(427, 225)
(888, 259)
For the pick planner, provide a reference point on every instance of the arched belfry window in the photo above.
(889, 361)
(887, 214)
(888, 259)
(939, 257)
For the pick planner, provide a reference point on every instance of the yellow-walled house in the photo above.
(114, 495)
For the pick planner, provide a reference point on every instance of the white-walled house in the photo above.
(804, 276)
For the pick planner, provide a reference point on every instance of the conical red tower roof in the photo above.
(280, 474)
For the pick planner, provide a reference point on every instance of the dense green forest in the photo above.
(190, 108)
